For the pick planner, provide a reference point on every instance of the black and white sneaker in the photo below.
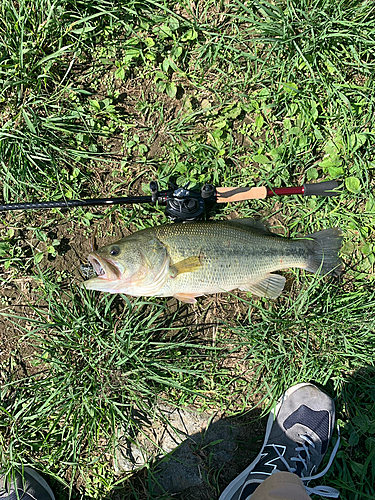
(29, 487)
(298, 431)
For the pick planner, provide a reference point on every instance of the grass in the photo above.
(94, 365)
(326, 337)
(99, 98)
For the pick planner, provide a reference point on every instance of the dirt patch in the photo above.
(17, 295)
(21, 286)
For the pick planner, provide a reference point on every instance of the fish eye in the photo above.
(114, 251)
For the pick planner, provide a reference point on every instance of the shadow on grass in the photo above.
(203, 465)
(352, 472)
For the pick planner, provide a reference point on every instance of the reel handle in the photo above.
(327, 188)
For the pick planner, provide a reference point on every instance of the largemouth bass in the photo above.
(186, 261)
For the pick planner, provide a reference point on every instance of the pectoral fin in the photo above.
(185, 266)
(188, 298)
(271, 286)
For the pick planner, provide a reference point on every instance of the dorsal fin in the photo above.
(256, 224)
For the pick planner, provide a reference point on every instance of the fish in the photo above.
(189, 260)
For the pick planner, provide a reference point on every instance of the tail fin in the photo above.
(323, 248)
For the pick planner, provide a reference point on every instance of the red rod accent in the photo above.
(289, 190)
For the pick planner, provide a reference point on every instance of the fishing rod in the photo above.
(184, 204)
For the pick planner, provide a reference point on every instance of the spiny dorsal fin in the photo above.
(255, 224)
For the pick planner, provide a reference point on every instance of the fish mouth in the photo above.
(104, 268)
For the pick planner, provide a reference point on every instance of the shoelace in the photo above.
(323, 491)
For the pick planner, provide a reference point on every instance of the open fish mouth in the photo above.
(104, 268)
(98, 267)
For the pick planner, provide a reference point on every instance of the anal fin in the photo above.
(271, 286)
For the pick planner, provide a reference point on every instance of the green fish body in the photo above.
(200, 258)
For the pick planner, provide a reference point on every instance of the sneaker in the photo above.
(298, 431)
(29, 487)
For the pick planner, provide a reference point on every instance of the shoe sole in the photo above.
(232, 487)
